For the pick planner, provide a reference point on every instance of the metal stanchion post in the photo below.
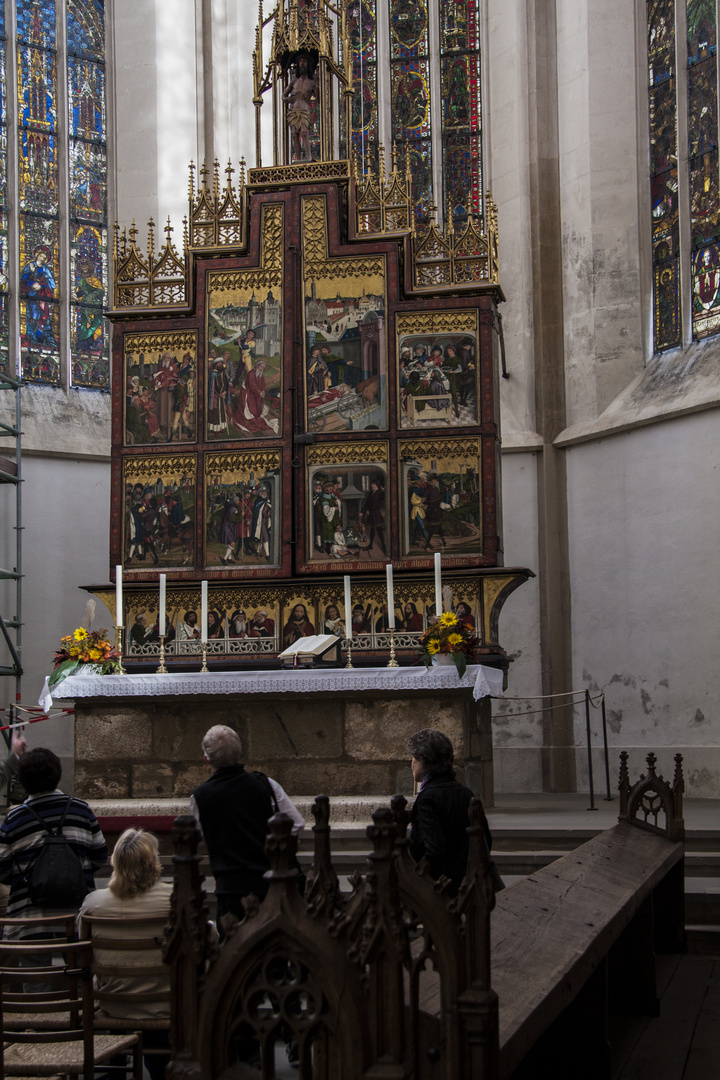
(592, 805)
(608, 797)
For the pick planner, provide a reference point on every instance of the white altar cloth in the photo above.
(484, 682)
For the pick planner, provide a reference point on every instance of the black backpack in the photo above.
(56, 877)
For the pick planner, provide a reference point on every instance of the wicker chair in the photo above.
(65, 991)
(42, 939)
(134, 946)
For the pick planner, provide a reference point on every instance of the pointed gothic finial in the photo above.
(623, 786)
(381, 166)
(116, 240)
(185, 235)
(123, 241)
(398, 805)
(133, 233)
(393, 158)
(216, 180)
(151, 238)
(203, 176)
(242, 173)
(281, 849)
(229, 173)
(450, 227)
(651, 762)
(678, 779)
(191, 183)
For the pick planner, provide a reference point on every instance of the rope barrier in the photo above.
(586, 697)
(31, 718)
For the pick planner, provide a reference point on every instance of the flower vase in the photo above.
(442, 659)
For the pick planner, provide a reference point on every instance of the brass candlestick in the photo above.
(204, 656)
(349, 653)
(118, 633)
(162, 670)
(392, 662)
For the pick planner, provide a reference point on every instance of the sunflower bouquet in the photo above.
(448, 636)
(84, 647)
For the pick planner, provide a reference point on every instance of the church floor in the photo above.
(683, 1042)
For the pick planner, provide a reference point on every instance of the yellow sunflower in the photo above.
(433, 647)
(455, 639)
(80, 634)
(448, 619)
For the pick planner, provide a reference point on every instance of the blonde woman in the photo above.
(135, 891)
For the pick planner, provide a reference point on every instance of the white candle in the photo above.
(118, 597)
(161, 615)
(390, 597)
(438, 584)
(348, 609)
(204, 611)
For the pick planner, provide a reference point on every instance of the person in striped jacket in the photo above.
(21, 834)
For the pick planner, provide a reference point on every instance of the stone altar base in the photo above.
(349, 743)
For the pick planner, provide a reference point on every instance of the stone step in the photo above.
(702, 940)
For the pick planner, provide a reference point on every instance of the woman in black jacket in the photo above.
(440, 812)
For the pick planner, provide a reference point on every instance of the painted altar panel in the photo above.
(263, 620)
(441, 501)
(240, 623)
(244, 337)
(160, 379)
(345, 357)
(347, 518)
(243, 500)
(159, 526)
(437, 358)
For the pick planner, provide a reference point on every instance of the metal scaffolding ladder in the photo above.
(11, 473)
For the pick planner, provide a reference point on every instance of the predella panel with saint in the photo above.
(442, 505)
(242, 509)
(159, 512)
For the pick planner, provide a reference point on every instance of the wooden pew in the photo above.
(578, 938)
(395, 981)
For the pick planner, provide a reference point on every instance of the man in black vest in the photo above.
(232, 809)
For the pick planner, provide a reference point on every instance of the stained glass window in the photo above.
(694, 56)
(362, 27)
(54, 232)
(410, 92)
(4, 307)
(88, 210)
(38, 191)
(461, 98)
(703, 172)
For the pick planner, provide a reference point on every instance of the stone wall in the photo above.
(314, 744)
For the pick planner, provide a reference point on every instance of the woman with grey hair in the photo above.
(440, 812)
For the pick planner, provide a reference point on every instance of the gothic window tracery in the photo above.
(58, 299)
(429, 55)
(682, 67)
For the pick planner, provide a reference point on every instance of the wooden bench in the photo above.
(395, 980)
(578, 938)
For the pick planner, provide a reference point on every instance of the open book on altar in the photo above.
(312, 650)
